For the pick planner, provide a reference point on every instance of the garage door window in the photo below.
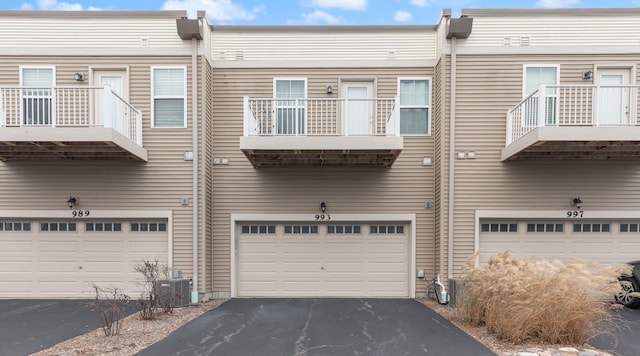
(301, 229)
(344, 229)
(146, 226)
(591, 227)
(15, 226)
(541, 227)
(57, 226)
(258, 229)
(102, 227)
(499, 227)
(386, 229)
(629, 227)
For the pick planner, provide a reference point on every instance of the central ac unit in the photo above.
(174, 291)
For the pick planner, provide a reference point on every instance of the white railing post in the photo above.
(509, 138)
(542, 105)
(633, 106)
(595, 119)
(106, 107)
(138, 127)
(246, 110)
(53, 106)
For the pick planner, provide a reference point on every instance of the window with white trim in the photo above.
(37, 95)
(169, 96)
(301, 229)
(142, 226)
(629, 227)
(344, 229)
(415, 109)
(595, 227)
(258, 229)
(386, 229)
(534, 75)
(545, 227)
(499, 227)
(102, 227)
(290, 114)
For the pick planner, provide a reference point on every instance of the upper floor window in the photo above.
(415, 107)
(37, 94)
(534, 75)
(290, 114)
(169, 97)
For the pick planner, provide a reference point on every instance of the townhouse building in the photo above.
(303, 161)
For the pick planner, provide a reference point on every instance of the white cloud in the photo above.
(556, 3)
(340, 4)
(221, 10)
(55, 5)
(320, 16)
(402, 16)
(420, 3)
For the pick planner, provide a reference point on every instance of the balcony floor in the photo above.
(576, 143)
(48, 143)
(278, 151)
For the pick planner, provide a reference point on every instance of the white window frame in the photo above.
(53, 84)
(428, 106)
(524, 85)
(154, 97)
(304, 106)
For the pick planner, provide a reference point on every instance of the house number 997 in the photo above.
(575, 213)
(80, 213)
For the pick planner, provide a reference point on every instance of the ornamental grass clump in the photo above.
(535, 299)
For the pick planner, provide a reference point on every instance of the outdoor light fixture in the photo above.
(73, 201)
(79, 77)
(329, 89)
(577, 202)
(587, 75)
(323, 207)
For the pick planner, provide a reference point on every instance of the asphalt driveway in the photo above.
(31, 325)
(623, 337)
(313, 327)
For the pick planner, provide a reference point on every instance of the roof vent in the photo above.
(524, 41)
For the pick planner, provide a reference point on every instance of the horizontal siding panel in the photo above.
(289, 45)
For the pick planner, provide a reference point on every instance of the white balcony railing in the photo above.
(69, 107)
(574, 105)
(321, 117)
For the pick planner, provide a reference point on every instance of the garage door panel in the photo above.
(259, 267)
(323, 264)
(15, 246)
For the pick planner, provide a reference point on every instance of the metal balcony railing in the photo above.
(574, 105)
(321, 117)
(69, 107)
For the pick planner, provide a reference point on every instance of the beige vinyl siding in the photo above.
(158, 184)
(487, 87)
(206, 166)
(87, 32)
(304, 45)
(239, 188)
(556, 30)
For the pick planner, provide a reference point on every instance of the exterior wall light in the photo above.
(73, 201)
(577, 202)
(329, 89)
(323, 207)
(79, 77)
(588, 75)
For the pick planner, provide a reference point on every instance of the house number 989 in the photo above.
(80, 213)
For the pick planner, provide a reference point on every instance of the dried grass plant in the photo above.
(534, 299)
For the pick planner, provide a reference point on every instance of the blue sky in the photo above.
(310, 12)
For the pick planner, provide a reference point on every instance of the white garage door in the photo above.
(600, 241)
(63, 259)
(318, 260)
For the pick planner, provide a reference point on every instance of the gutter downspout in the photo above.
(452, 142)
(195, 149)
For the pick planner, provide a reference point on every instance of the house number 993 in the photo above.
(322, 217)
(80, 213)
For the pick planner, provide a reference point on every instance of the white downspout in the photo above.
(452, 142)
(195, 149)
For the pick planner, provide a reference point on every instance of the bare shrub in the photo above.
(111, 304)
(151, 271)
(536, 299)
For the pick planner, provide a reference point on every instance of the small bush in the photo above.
(152, 271)
(527, 299)
(111, 304)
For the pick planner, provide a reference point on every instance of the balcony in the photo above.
(575, 122)
(321, 131)
(68, 123)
